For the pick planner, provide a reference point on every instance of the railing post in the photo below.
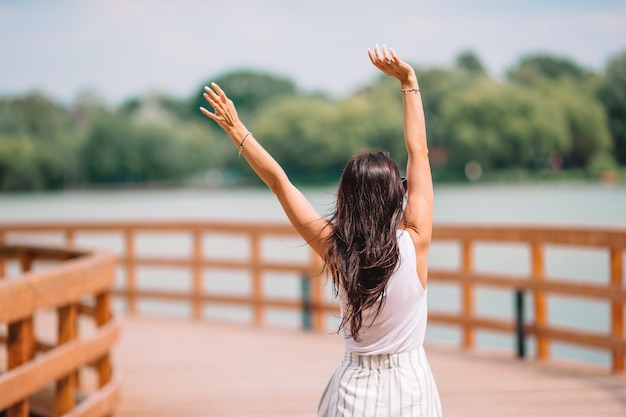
(468, 295)
(257, 288)
(519, 324)
(66, 386)
(69, 237)
(103, 315)
(305, 291)
(21, 344)
(26, 261)
(197, 273)
(538, 273)
(130, 271)
(19, 351)
(617, 307)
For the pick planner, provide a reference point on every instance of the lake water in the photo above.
(560, 204)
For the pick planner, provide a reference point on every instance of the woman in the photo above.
(376, 249)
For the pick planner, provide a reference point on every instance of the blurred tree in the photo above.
(438, 86)
(560, 114)
(18, 166)
(85, 109)
(586, 123)
(534, 67)
(375, 117)
(36, 116)
(613, 96)
(155, 107)
(501, 126)
(250, 90)
(313, 137)
(47, 139)
(115, 151)
(298, 132)
(118, 150)
(468, 62)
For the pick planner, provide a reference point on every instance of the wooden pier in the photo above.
(201, 368)
(65, 351)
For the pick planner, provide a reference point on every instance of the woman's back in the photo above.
(400, 325)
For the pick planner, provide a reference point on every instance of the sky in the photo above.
(120, 49)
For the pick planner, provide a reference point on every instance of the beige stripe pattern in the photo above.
(390, 385)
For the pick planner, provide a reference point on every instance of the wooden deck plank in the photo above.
(183, 368)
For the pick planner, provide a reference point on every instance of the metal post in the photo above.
(519, 324)
(305, 286)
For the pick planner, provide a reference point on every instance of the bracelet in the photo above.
(408, 90)
(242, 141)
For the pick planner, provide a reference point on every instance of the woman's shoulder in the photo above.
(406, 234)
(418, 241)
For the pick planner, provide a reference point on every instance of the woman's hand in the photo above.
(388, 62)
(224, 111)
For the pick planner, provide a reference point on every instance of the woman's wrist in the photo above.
(410, 82)
(237, 132)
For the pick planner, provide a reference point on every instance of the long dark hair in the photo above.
(362, 250)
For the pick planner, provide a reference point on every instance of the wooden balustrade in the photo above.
(32, 365)
(537, 284)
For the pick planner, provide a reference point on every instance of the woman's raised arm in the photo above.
(418, 214)
(302, 215)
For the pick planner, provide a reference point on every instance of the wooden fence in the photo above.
(535, 285)
(77, 284)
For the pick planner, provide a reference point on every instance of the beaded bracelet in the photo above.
(408, 90)
(242, 141)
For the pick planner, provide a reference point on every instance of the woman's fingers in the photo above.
(224, 112)
(207, 113)
(217, 101)
(386, 56)
(213, 99)
(210, 95)
(394, 56)
(371, 55)
(383, 57)
(220, 92)
(377, 58)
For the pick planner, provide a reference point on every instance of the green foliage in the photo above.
(375, 117)
(549, 119)
(586, 121)
(313, 137)
(469, 62)
(34, 115)
(613, 96)
(535, 67)
(120, 150)
(499, 126)
(18, 166)
(250, 90)
(298, 132)
(39, 134)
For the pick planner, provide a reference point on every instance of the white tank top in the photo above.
(401, 324)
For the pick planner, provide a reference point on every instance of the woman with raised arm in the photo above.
(376, 249)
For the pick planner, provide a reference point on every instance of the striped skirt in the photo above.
(398, 385)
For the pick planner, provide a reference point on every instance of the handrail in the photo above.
(32, 365)
(536, 284)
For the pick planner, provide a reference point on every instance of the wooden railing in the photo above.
(49, 373)
(537, 286)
